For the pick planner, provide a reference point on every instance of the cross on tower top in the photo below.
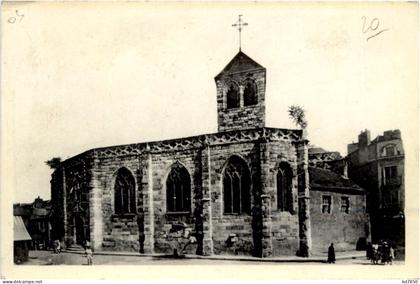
(240, 24)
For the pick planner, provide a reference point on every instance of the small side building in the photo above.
(36, 218)
(338, 212)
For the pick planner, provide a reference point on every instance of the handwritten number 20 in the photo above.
(371, 30)
(373, 26)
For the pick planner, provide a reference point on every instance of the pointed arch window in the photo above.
(250, 93)
(284, 188)
(236, 187)
(233, 96)
(124, 192)
(178, 190)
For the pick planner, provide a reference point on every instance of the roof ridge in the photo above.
(241, 62)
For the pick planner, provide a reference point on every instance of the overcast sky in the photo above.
(82, 76)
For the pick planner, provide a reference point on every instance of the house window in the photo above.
(124, 195)
(395, 197)
(284, 188)
(326, 204)
(390, 199)
(345, 205)
(390, 175)
(250, 93)
(236, 187)
(390, 150)
(178, 189)
(233, 97)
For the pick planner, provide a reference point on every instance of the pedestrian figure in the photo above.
(331, 253)
(385, 253)
(376, 254)
(369, 251)
(391, 254)
(89, 254)
(57, 246)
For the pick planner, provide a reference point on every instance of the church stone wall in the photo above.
(225, 225)
(340, 228)
(120, 232)
(163, 221)
(76, 180)
(271, 233)
(284, 225)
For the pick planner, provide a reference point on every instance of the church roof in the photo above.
(240, 63)
(328, 180)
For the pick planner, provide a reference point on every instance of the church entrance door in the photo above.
(80, 230)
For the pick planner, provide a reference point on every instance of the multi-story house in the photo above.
(378, 166)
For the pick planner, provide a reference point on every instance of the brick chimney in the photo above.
(364, 139)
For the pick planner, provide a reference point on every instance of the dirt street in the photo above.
(49, 258)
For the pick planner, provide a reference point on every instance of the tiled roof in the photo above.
(322, 178)
(316, 150)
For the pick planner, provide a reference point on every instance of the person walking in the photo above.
(391, 255)
(384, 253)
(89, 254)
(57, 247)
(331, 254)
(369, 251)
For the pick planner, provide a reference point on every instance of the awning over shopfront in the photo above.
(19, 230)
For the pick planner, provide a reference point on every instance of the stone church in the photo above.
(243, 190)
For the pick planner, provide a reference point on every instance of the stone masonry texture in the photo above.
(83, 188)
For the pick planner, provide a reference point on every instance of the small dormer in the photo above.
(241, 94)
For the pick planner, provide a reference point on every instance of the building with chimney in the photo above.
(378, 166)
(338, 204)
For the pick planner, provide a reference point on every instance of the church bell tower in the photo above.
(241, 92)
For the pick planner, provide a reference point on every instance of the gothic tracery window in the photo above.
(284, 188)
(124, 192)
(250, 93)
(178, 189)
(233, 96)
(236, 187)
